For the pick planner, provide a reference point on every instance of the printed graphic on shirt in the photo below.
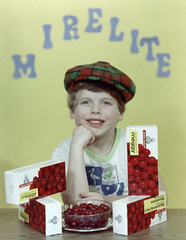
(104, 180)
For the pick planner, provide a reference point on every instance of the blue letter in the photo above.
(162, 64)
(134, 47)
(149, 41)
(24, 67)
(69, 27)
(47, 42)
(114, 21)
(92, 20)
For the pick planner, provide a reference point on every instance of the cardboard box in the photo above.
(34, 181)
(142, 155)
(135, 213)
(44, 215)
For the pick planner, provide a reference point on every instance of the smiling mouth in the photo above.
(94, 121)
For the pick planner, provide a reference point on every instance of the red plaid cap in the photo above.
(101, 71)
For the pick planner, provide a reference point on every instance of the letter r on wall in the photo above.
(19, 65)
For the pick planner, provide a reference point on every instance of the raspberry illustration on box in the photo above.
(96, 154)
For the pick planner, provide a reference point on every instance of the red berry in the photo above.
(143, 221)
(130, 171)
(142, 164)
(137, 172)
(139, 217)
(49, 186)
(51, 178)
(134, 217)
(142, 156)
(32, 186)
(38, 184)
(52, 167)
(152, 184)
(40, 173)
(146, 151)
(60, 187)
(62, 181)
(57, 169)
(148, 222)
(35, 179)
(54, 184)
(62, 172)
(54, 190)
(134, 227)
(152, 160)
(149, 191)
(156, 169)
(49, 192)
(130, 165)
(138, 179)
(143, 184)
(135, 161)
(150, 169)
(43, 182)
(133, 186)
(137, 204)
(132, 208)
(131, 178)
(144, 175)
(41, 190)
(155, 191)
(152, 214)
(139, 191)
(58, 178)
(155, 177)
(128, 146)
(140, 147)
(47, 174)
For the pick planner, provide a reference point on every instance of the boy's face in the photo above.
(98, 111)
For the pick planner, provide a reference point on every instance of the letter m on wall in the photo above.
(24, 66)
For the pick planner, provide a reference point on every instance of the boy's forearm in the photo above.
(76, 176)
(111, 199)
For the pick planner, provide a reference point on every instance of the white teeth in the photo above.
(95, 121)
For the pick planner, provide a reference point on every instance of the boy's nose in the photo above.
(96, 109)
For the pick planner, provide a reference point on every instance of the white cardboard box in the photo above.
(43, 214)
(129, 216)
(142, 155)
(19, 182)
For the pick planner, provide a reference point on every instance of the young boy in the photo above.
(95, 154)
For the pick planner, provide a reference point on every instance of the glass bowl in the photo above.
(86, 214)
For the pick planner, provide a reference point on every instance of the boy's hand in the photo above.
(82, 136)
(92, 195)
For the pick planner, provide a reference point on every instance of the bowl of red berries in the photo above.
(86, 214)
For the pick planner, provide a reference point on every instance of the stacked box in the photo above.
(34, 181)
(142, 155)
(135, 213)
(43, 215)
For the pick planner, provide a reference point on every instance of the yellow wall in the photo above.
(34, 117)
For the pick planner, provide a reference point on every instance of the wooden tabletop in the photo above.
(175, 228)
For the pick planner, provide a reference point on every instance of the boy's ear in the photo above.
(120, 118)
(71, 114)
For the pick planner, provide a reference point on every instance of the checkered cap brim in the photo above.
(101, 71)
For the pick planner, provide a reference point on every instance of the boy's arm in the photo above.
(94, 195)
(76, 175)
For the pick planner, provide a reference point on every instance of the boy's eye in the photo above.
(106, 103)
(85, 102)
